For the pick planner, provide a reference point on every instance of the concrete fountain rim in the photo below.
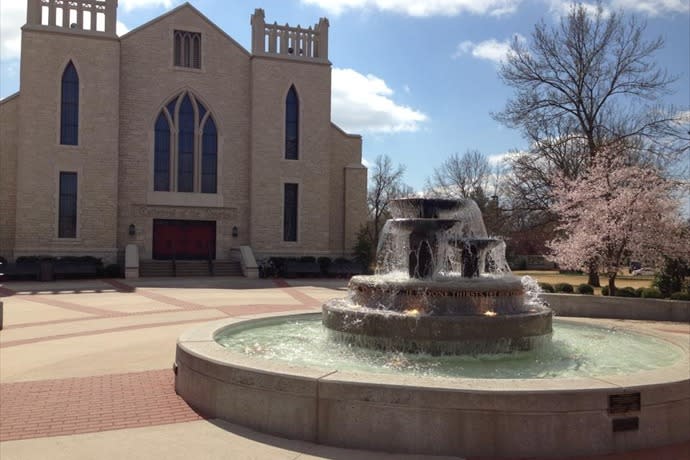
(435, 416)
(200, 342)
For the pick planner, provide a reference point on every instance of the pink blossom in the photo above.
(617, 212)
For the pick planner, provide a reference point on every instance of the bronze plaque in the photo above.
(625, 424)
(622, 403)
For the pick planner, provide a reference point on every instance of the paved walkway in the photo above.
(85, 370)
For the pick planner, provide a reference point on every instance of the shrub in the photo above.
(585, 289)
(522, 264)
(81, 260)
(672, 276)
(626, 292)
(324, 263)
(34, 259)
(570, 272)
(278, 264)
(112, 271)
(563, 287)
(266, 268)
(652, 293)
(364, 249)
(604, 290)
(309, 259)
(546, 287)
(680, 296)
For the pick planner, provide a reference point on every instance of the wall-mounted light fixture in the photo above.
(132, 230)
(235, 231)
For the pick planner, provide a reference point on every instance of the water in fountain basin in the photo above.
(575, 351)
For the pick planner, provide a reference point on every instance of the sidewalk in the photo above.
(85, 370)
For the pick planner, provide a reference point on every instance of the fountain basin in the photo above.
(453, 295)
(461, 416)
(437, 335)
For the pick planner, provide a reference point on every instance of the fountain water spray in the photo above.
(442, 286)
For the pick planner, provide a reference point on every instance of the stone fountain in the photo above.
(441, 286)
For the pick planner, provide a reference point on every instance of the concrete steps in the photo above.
(188, 268)
(155, 268)
(227, 268)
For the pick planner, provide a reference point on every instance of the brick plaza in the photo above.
(85, 369)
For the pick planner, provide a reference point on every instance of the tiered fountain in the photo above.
(441, 286)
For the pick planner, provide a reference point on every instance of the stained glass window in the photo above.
(292, 125)
(67, 220)
(69, 110)
(290, 213)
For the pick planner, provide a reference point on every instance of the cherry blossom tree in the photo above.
(578, 85)
(617, 212)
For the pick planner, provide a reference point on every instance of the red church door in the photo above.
(184, 239)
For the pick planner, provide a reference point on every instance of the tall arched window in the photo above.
(292, 125)
(69, 106)
(161, 161)
(181, 124)
(185, 149)
(209, 157)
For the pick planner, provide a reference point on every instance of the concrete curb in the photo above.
(618, 307)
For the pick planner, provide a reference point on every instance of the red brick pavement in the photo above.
(110, 402)
(15, 343)
(82, 405)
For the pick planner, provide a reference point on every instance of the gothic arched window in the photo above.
(69, 106)
(161, 161)
(186, 140)
(292, 125)
(185, 147)
(209, 157)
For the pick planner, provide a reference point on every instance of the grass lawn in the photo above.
(554, 277)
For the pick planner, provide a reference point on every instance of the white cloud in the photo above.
(648, 7)
(121, 29)
(490, 50)
(563, 7)
(501, 158)
(12, 17)
(129, 5)
(683, 116)
(364, 103)
(421, 8)
(653, 7)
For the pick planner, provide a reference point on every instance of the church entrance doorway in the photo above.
(184, 239)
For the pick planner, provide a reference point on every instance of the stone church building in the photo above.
(174, 138)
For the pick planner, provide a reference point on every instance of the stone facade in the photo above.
(124, 84)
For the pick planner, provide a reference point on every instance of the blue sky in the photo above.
(417, 78)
